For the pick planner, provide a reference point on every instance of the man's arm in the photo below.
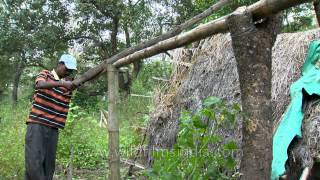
(48, 85)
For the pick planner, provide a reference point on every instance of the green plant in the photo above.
(191, 158)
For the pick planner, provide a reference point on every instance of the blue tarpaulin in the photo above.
(291, 122)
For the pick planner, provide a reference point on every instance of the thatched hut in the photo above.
(214, 73)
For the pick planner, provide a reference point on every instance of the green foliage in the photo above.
(298, 18)
(85, 101)
(31, 32)
(186, 9)
(12, 136)
(191, 158)
(136, 18)
(144, 82)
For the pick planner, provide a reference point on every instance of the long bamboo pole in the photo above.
(259, 10)
(96, 71)
(113, 123)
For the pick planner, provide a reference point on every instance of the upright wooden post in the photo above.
(113, 123)
(252, 46)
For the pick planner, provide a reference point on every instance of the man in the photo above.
(48, 114)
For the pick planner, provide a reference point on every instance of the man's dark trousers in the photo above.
(40, 152)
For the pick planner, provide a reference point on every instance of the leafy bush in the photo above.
(191, 158)
(88, 140)
(85, 101)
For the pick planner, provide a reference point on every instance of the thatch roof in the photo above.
(214, 73)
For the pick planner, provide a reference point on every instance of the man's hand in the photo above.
(69, 85)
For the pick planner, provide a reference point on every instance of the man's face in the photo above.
(63, 71)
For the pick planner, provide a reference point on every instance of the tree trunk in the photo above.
(1, 94)
(138, 64)
(16, 81)
(316, 5)
(136, 68)
(252, 46)
(113, 124)
(114, 40)
(127, 34)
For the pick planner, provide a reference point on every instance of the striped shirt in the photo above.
(50, 106)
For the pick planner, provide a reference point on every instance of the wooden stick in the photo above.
(70, 166)
(138, 152)
(113, 124)
(305, 174)
(138, 95)
(133, 164)
(180, 63)
(160, 79)
(103, 119)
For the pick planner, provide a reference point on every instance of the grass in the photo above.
(12, 136)
(82, 134)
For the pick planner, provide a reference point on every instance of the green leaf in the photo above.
(208, 113)
(212, 100)
(213, 173)
(215, 139)
(231, 117)
(236, 107)
(185, 116)
(197, 122)
(230, 146)
(230, 163)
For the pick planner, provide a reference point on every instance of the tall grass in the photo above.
(12, 137)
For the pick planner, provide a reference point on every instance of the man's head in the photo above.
(67, 64)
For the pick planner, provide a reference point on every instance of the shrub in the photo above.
(190, 158)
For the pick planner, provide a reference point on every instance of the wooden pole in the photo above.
(113, 123)
(260, 9)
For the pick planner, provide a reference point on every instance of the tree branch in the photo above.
(99, 9)
(36, 65)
